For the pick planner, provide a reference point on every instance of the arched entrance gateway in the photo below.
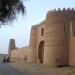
(41, 51)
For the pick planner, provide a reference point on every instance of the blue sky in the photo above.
(35, 13)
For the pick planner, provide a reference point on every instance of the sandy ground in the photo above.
(38, 69)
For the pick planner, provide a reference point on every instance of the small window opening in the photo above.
(42, 31)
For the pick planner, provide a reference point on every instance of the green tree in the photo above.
(9, 10)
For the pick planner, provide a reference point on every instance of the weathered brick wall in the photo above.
(72, 44)
(40, 38)
(12, 45)
(57, 35)
(57, 39)
(33, 45)
(19, 55)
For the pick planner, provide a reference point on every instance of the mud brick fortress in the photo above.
(52, 42)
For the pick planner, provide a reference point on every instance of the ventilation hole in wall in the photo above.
(73, 30)
(42, 31)
(25, 58)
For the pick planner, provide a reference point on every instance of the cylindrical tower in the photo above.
(57, 35)
(11, 47)
(12, 44)
(72, 44)
(32, 57)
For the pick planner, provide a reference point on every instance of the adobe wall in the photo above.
(72, 44)
(40, 38)
(20, 54)
(33, 45)
(11, 47)
(57, 36)
(58, 40)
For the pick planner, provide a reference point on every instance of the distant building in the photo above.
(52, 42)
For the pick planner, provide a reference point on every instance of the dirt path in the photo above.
(37, 69)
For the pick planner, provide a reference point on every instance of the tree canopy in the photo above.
(9, 9)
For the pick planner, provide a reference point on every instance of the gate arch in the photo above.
(41, 51)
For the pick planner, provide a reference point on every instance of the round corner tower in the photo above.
(33, 45)
(11, 46)
(57, 36)
(52, 42)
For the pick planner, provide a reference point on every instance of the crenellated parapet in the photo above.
(61, 10)
(61, 13)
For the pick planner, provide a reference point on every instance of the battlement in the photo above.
(61, 11)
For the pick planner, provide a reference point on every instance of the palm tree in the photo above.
(9, 10)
